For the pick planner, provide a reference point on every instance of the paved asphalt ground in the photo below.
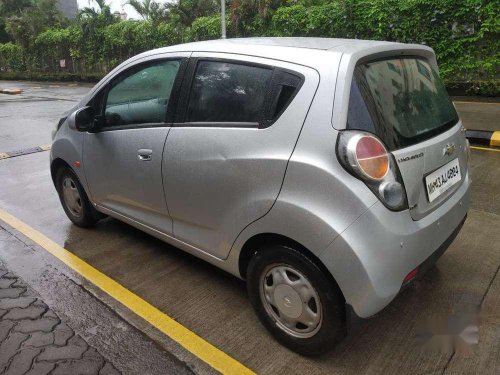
(214, 304)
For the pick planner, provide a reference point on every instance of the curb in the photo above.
(11, 91)
(483, 137)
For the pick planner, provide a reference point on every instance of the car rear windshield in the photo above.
(401, 100)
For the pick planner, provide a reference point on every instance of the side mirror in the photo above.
(85, 119)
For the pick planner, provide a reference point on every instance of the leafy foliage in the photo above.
(150, 10)
(206, 28)
(465, 34)
(11, 57)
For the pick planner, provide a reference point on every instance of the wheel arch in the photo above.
(57, 164)
(259, 241)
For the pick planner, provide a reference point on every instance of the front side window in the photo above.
(401, 100)
(228, 92)
(142, 96)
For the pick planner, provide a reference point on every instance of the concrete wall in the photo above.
(68, 7)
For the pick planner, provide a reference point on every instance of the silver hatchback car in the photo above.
(327, 173)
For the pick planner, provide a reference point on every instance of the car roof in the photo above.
(324, 44)
(294, 42)
(306, 51)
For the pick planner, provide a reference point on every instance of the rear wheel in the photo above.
(301, 307)
(74, 199)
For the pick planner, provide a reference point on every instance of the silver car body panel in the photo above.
(218, 180)
(433, 155)
(120, 181)
(224, 186)
(371, 258)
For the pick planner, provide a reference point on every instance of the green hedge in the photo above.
(206, 28)
(11, 57)
(51, 77)
(465, 35)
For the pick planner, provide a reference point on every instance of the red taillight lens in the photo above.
(364, 156)
(372, 157)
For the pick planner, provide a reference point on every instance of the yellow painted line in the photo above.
(46, 147)
(485, 103)
(485, 148)
(495, 139)
(205, 351)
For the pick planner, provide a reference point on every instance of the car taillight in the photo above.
(372, 157)
(366, 157)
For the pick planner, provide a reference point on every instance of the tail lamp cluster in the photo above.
(365, 156)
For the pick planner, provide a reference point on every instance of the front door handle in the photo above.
(145, 154)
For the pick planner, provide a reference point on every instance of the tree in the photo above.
(92, 23)
(184, 12)
(13, 7)
(90, 17)
(149, 10)
(9, 8)
(32, 20)
(248, 15)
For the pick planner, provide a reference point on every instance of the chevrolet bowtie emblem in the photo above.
(449, 149)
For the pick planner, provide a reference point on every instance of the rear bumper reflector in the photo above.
(410, 276)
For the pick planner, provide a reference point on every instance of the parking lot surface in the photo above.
(214, 304)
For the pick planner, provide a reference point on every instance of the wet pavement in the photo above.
(214, 304)
(52, 99)
(479, 115)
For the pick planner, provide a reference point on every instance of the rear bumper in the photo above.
(370, 259)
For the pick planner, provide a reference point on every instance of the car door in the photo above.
(123, 158)
(225, 157)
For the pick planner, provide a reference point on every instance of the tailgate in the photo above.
(403, 101)
(429, 170)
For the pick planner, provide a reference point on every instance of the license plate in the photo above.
(442, 179)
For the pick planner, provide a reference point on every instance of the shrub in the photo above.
(465, 35)
(11, 57)
(205, 28)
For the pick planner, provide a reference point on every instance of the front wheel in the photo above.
(74, 200)
(294, 299)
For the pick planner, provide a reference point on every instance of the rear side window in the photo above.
(285, 85)
(401, 100)
(228, 92)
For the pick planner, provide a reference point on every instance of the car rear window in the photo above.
(401, 100)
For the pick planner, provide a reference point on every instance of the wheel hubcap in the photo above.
(291, 300)
(72, 197)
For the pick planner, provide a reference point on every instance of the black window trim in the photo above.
(264, 122)
(269, 119)
(217, 124)
(172, 105)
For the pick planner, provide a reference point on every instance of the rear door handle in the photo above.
(145, 154)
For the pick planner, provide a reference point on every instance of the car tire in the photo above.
(295, 300)
(74, 200)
